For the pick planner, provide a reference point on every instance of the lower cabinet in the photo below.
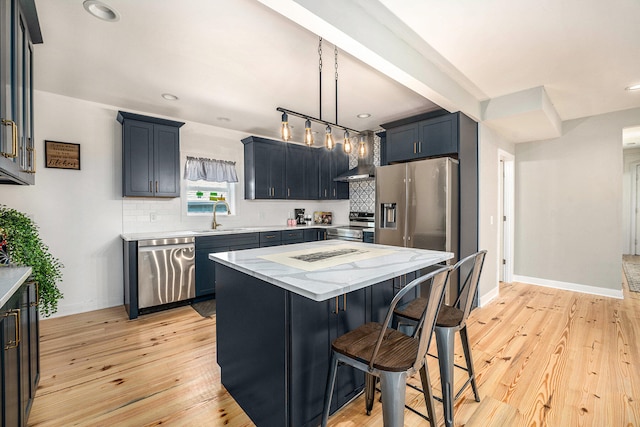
(205, 268)
(20, 359)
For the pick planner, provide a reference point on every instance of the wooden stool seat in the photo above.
(448, 316)
(397, 352)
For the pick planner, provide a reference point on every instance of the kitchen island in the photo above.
(279, 308)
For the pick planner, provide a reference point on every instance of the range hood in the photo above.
(365, 169)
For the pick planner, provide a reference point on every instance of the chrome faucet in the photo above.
(215, 225)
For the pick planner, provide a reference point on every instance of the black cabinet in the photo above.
(368, 236)
(301, 172)
(331, 164)
(20, 357)
(431, 137)
(150, 156)
(290, 237)
(276, 170)
(205, 268)
(264, 168)
(19, 29)
(270, 238)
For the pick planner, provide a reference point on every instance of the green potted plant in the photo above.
(25, 247)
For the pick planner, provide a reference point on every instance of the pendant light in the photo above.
(329, 143)
(308, 133)
(285, 130)
(347, 142)
(362, 149)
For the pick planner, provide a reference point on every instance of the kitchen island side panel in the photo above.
(251, 329)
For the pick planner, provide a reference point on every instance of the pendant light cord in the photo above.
(320, 76)
(335, 53)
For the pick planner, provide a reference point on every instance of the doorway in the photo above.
(506, 210)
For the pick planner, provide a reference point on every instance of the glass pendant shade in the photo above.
(362, 149)
(347, 142)
(329, 143)
(285, 130)
(308, 134)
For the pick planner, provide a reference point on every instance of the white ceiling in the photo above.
(232, 63)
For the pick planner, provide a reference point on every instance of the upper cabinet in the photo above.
(150, 156)
(331, 164)
(277, 170)
(430, 137)
(264, 173)
(19, 29)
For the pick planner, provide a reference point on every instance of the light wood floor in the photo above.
(543, 357)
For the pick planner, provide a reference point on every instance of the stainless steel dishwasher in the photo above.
(166, 271)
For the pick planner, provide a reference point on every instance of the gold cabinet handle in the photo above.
(150, 186)
(14, 344)
(14, 139)
(414, 148)
(156, 186)
(288, 192)
(344, 305)
(336, 306)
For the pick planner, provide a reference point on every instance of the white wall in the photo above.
(569, 206)
(81, 213)
(489, 142)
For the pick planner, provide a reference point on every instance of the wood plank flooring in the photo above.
(543, 357)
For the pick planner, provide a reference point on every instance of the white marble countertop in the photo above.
(11, 278)
(374, 264)
(129, 237)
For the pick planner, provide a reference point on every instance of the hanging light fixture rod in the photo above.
(313, 119)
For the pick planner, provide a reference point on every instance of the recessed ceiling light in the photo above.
(633, 87)
(101, 10)
(169, 97)
(364, 115)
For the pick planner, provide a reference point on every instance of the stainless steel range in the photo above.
(358, 222)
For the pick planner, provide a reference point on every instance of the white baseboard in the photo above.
(489, 296)
(567, 286)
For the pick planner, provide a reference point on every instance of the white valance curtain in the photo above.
(210, 170)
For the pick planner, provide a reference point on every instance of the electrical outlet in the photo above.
(153, 217)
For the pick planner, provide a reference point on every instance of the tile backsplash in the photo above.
(362, 194)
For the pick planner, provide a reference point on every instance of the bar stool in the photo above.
(452, 319)
(390, 355)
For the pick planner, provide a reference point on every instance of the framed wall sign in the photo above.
(62, 155)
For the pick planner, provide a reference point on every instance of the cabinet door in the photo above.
(277, 165)
(295, 171)
(340, 190)
(324, 174)
(351, 313)
(439, 136)
(137, 159)
(16, 110)
(312, 175)
(402, 143)
(310, 355)
(166, 161)
(10, 365)
(206, 271)
(34, 340)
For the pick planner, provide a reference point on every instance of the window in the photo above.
(202, 195)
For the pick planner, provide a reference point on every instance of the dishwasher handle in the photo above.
(190, 246)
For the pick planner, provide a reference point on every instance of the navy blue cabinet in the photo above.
(331, 164)
(270, 238)
(314, 234)
(276, 170)
(19, 29)
(150, 156)
(290, 237)
(205, 268)
(301, 172)
(20, 355)
(264, 168)
(431, 137)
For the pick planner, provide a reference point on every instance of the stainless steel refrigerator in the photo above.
(417, 207)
